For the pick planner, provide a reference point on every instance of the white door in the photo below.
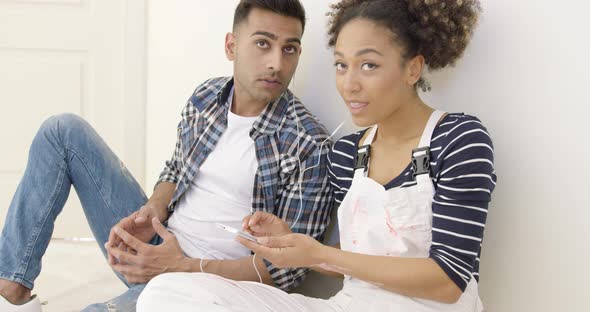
(80, 56)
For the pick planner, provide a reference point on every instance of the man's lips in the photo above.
(270, 81)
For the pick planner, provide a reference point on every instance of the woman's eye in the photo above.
(339, 66)
(368, 66)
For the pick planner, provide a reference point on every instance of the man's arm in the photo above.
(144, 261)
(151, 261)
(240, 269)
(161, 198)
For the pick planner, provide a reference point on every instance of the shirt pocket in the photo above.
(187, 134)
(287, 166)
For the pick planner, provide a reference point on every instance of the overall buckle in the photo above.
(361, 159)
(421, 161)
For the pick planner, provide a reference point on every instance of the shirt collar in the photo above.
(269, 121)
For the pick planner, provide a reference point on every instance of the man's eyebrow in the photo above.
(274, 37)
(265, 33)
(296, 40)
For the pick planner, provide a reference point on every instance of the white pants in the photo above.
(208, 292)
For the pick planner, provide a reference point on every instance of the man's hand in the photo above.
(144, 261)
(137, 224)
(265, 224)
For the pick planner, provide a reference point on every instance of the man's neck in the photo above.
(243, 104)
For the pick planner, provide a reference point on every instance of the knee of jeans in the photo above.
(58, 126)
(64, 122)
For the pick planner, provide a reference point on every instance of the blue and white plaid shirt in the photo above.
(276, 184)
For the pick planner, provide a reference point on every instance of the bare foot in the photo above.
(13, 292)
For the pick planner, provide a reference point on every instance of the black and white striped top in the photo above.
(462, 166)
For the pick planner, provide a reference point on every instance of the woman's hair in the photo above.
(439, 30)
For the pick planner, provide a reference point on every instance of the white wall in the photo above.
(83, 57)
(185, 47)
(523, 75)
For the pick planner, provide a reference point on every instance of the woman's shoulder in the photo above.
(341, 157)
(460, 129)
(461, 144)
(349, 143)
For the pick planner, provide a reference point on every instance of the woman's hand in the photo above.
(287, 251)
(262, 224)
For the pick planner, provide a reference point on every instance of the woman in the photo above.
(413, 189)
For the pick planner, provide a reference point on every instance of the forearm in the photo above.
(412, 277)
(239, 269)
(161, 198)
(324, 270)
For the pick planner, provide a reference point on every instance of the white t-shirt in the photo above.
(221, 192)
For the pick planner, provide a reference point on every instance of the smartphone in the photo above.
(237, 232)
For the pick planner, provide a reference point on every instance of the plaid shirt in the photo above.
(276, 184)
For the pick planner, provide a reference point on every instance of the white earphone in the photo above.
(302, 171)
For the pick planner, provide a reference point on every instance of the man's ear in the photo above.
(230, 46)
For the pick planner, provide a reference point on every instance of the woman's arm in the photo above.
(413, 277)
(327, 270)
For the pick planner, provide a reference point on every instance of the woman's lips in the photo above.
(356, 107)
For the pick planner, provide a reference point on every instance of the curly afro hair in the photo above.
(439, 30)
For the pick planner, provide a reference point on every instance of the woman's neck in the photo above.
(406, 123)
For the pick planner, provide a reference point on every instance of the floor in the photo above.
(75, 275)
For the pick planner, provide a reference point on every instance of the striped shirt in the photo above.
(462, 166)
(285, 135)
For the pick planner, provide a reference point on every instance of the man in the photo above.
(245, 144)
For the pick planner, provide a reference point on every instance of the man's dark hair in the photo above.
(290, 8)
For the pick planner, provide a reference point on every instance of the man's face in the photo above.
(265, 49)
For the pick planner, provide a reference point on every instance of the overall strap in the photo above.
(421, 155)
(361, 160)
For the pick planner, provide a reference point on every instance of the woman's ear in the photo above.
(415, 67)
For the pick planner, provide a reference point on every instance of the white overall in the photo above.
(372, 220)
(395, 222)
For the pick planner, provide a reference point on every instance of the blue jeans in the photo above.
(67, 152)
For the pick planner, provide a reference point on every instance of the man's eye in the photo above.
(290, 50)
(262, 44)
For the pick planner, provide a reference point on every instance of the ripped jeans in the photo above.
(67, 152)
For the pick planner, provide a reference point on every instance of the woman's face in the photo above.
(371, 75)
